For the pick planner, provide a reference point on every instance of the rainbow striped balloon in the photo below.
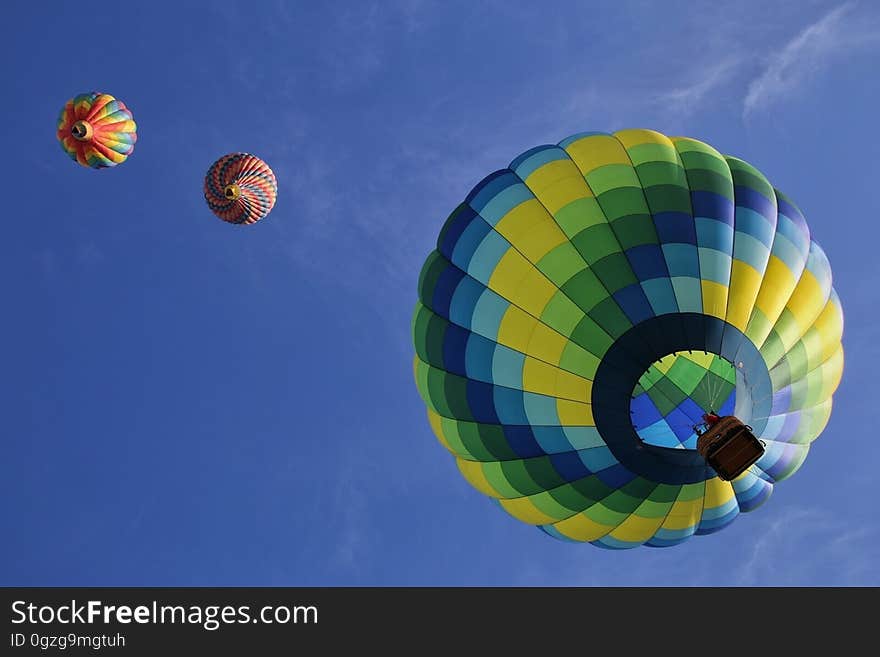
(97, 130)
(240, 188)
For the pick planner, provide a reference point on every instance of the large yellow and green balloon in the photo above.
(585, 305)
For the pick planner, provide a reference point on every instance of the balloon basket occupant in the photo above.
(710, 419)
(729, 446)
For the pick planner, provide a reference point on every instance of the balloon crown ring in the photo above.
(82, 130)
(232, 192)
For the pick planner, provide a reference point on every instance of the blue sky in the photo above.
(191, 403)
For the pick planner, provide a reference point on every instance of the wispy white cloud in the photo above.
(722, 47)
(351, 505)
(794, 546)
(764, 549)
(360, 46)
(48, 261)
(351, 513)
(690, 97)
(413, 12)
(88, 253)
(809, 546)
(837, 32)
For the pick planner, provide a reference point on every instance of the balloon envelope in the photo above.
(96, 130)
(586, 304)
(240, 188)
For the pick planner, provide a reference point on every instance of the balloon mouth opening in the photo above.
(232, 192)
(672, 394)
(81, 131)
(624, 417)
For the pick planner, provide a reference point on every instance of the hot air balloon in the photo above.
(584, 309)
(97, 130)
(240, 188)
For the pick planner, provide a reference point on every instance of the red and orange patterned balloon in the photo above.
(240, 188)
